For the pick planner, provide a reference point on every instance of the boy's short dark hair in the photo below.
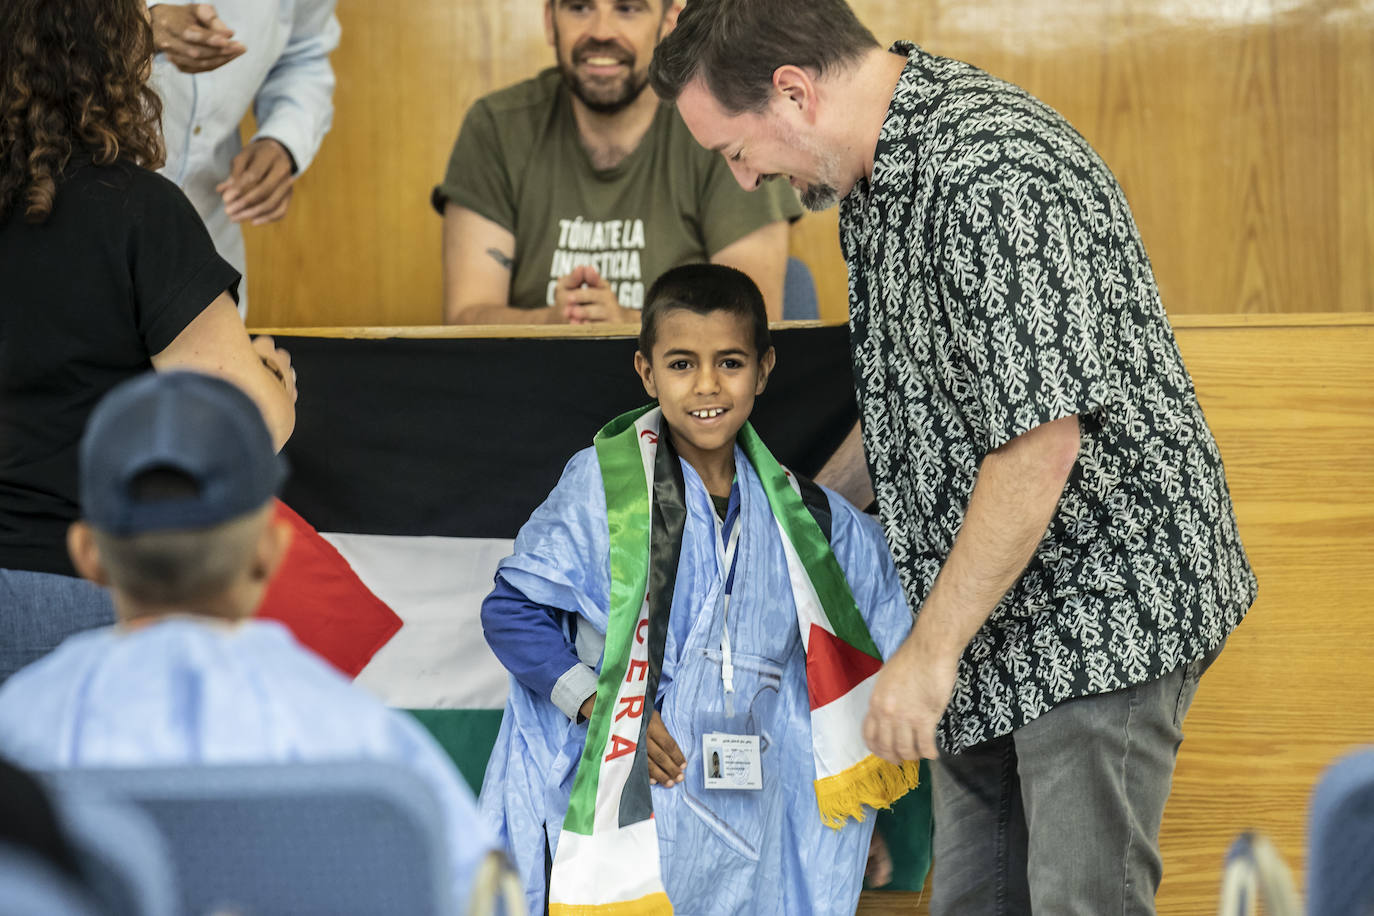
(736, 45)
(703, 289)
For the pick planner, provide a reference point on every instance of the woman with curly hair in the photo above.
(105, 272)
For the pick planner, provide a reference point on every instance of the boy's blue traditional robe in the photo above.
(721, 851)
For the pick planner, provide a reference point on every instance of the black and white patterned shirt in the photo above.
(998, 282)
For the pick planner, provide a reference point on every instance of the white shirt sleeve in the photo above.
(295, 104)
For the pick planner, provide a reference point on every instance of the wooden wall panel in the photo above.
(1355, 153)
(1240, 131)
(1292, 412)
(360, 245)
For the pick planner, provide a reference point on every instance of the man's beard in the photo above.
(602, 97)
(819, 196)
(822, 193)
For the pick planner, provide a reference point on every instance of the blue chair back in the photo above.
(1340, 862)
(336, 838)
(30, 886)
(799, 299)
(126, 861)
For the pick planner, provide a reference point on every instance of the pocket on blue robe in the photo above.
(738, 817)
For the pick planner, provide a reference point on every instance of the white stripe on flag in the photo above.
(438, 659)
(630, 867)
(837, 743)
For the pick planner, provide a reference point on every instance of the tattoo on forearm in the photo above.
(500, 258)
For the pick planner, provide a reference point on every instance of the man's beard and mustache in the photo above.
(815, 197)
(819, 196)
(822, 193)
(603, 96)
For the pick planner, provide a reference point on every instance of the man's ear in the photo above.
(766, 363)
(548, 24)
(645, 370)
(796, 89)
(85, 554)
(669, 19)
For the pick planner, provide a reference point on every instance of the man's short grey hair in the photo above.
(736, 45)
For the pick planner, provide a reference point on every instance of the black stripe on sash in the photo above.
(814, 498)
(667, 518)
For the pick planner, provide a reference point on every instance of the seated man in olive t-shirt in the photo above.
(568, 194)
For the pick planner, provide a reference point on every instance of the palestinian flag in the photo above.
(414, 463)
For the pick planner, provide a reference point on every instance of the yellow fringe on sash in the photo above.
(872, 781)
(656, 904)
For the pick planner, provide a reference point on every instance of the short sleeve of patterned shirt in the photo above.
(998, 282)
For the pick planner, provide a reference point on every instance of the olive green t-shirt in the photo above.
(519, 163)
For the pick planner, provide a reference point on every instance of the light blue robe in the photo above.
(722, 851)
(198, 691)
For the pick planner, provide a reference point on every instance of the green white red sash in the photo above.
(607, 859)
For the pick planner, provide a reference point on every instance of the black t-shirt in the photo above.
(120, 267)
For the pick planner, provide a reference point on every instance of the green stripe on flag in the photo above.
(907, 828)
(809, 542)
(627, 517)
(466, 735)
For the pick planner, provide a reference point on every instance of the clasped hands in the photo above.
(583, 296)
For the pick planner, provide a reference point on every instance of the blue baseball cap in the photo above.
(197, 426)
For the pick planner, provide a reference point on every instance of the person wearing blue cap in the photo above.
(177, 477)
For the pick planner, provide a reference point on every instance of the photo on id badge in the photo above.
(732, 761)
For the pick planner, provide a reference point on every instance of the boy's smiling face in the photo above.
(705, 373)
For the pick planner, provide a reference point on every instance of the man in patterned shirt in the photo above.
(1054, 501)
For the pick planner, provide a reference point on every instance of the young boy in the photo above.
(682, 613)
(177, 479)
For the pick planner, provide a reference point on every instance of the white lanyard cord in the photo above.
(727, 667)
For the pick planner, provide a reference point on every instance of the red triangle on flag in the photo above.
(319, 597)
(834, 667)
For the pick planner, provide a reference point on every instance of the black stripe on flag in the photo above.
(466, 437)
(814, 498)
(667, 519)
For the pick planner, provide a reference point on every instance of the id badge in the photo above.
(731, 761)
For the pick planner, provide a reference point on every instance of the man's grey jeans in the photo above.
(1061, 817)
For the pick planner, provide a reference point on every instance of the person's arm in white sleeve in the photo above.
(294, 108)
(295, 105)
